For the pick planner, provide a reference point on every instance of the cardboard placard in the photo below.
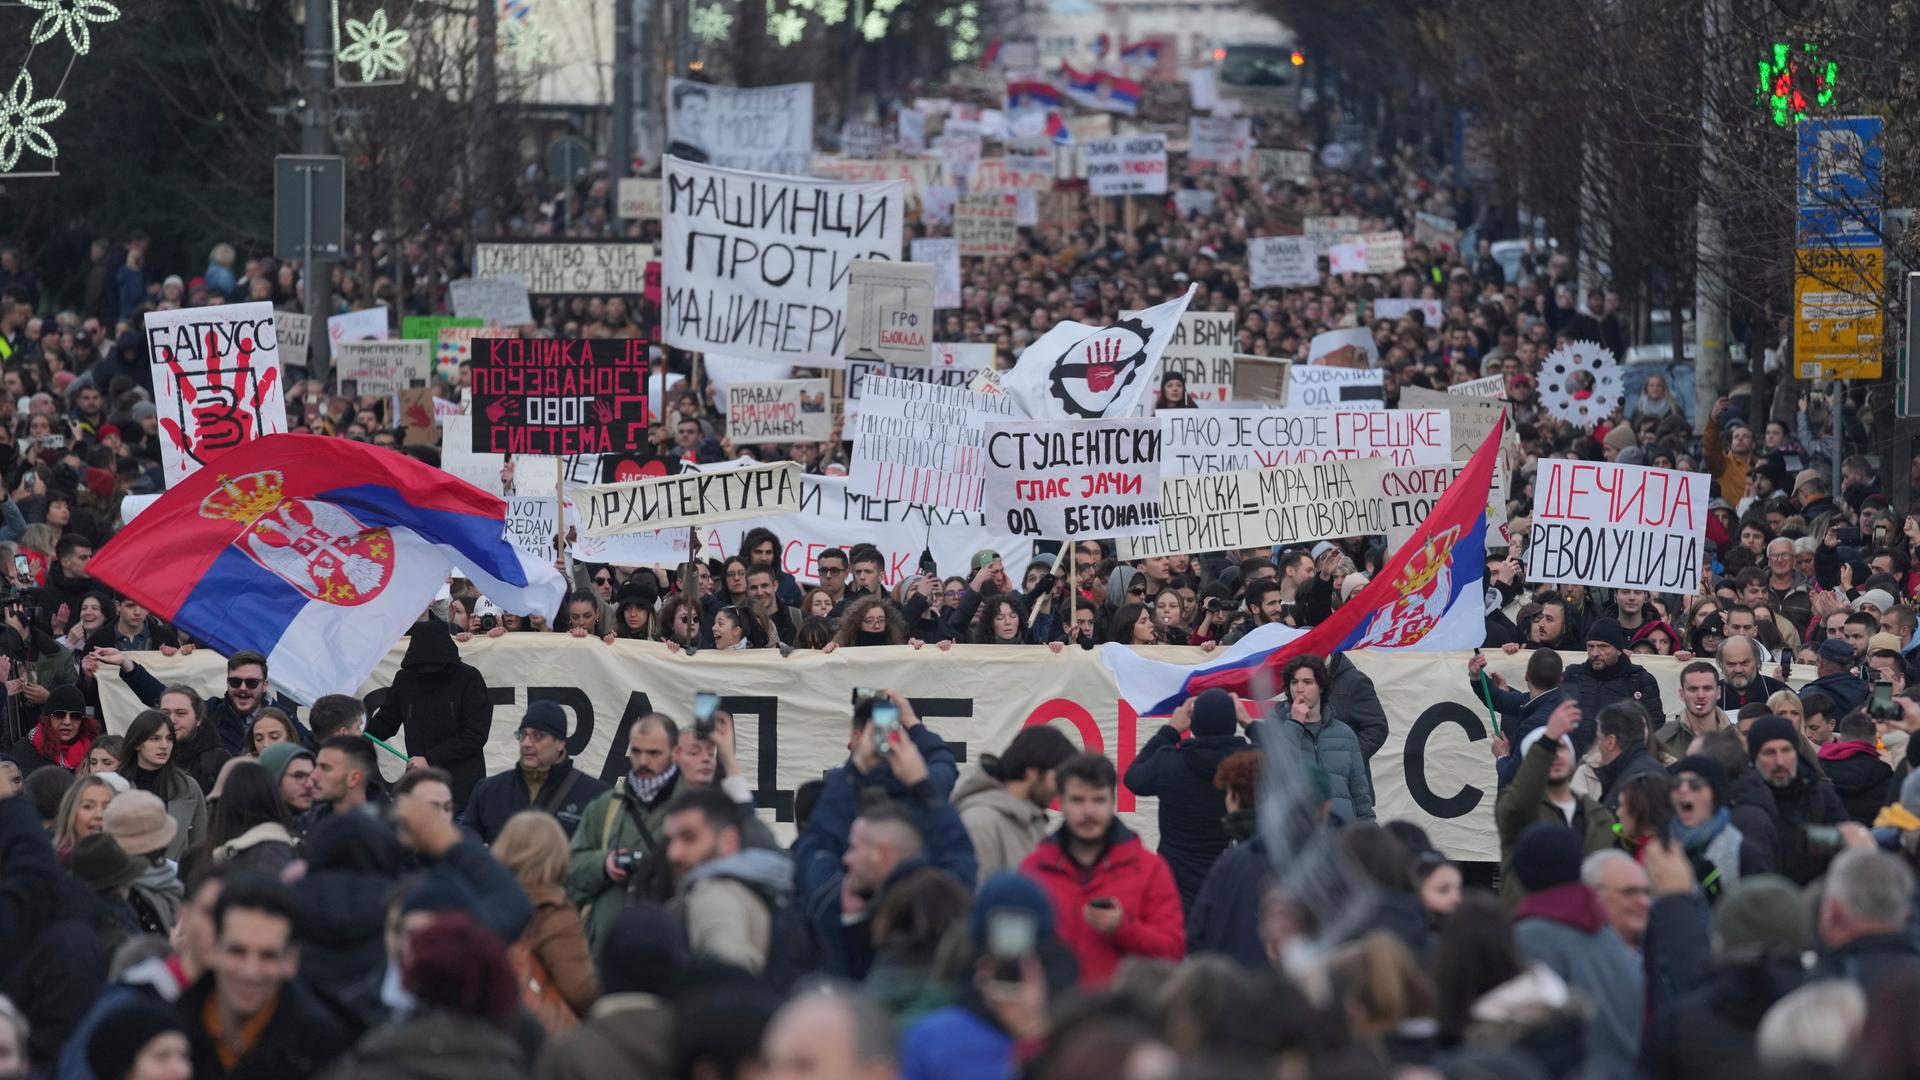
(1131, 165)
(985, 225)
(1259, 508)
(368, 324)
(217, 382)
(567, 267)
(698, 498)
(793, 410)
(1223, 440)
(381, 368)
(943, 254)
(889, 310)
(1282, 262)
(290, 329)
(638, 198)
(1315, 386)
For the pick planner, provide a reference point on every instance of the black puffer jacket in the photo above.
(1353, 694)
(1180, 774)
(1711, 1031)
(353, 860)
(442, 705)
(1622, 680)
(1807, 799)
(1750, 805)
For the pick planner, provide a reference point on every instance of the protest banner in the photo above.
(951, 363)
(889, 310)
(1282, 262)
(1385, 251)
(959, 154)
(1617, 526)
(1394, 308)
(764, 129)
(533, 525)
(1315, 386)
(1327, 230)
(638, 198)
(1054, 480)
(936, 204)
(1201, 352)
(943, 254)
(380, 368)
(558, 396)
(923, 442)
(756, 265)
(1472, 419)
(795, 410)
(910, 132)
(1347, 258)
(665, 548)
(1288, 166)
(984, 224)
(567, 267)
(1219, 140)
(1258, 508)
(1032, 157)
(1493, 386)
(1223, 440)
(1261, 378)
(1436, 231)
(368, 324)
(698, 498)
(918, 174)
(496, 301)
(1411, 492)
(290, 330)
(1130, 165)
(858, 140)
(217, 381)
(1352, 347)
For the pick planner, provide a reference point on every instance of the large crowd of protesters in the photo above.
(1719, 885)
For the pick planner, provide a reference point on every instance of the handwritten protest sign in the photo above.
(1292, 166)
(859, 140)
(1219, 140)
(1329, 229)
(638, 198)
(1313, 386)
(1130, 165)
(1385, 251)
(453, 346)
(889, 310)
(1031, 157)
(533, 525)
(1062, 479)
(458, 457)
(959, 154)
(936, 204)
(984, 224)
(291, 328)
(755, 265)
(1394, 308)
(960, 364)
(496, 301)
(1282, 262)
(766, 129)
(911, 132)
(796, 410)
(217, 381)
(1472, 419)
(943, 254)
(1258, 508)
(1222, 440)
(1493, 386)
(1347, 258)
(922, 442)
(1436, 231)
(367, 324)
(1617, 526)
(380, 368)
(1188, 202)
(689, 499)
(567, 267)
(1411, 492)
(560, 396)
(1201, 352)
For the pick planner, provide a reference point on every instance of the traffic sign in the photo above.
(1839, 161)
(1837, 331)
(309, 207)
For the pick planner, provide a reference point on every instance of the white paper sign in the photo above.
(381, 368)
(291, 328)
(923, 443)
(1052, 479)
(889, 310)
(959, 155)
(1493, 386)
(936, 204)
(796, 410)
(943, 252)
(1617, 526)
(639, 198)
(1412, 491)
(1395, 308)
(217, 382)
(1129, 165)
(1190, 201)
(1026, 208)
(912, 134)
(1259, 508)
(767, 129)
(458, 457)
(369, 324)
(1282, 262)
(689, 499)
(755, 265)
(568, 267)
(1385, 251)
(501, 301)
(858, 140)
(1218, 139)
(1201, 351)
(1314, 386)
(1328, 230)
(1293, 166)
(961, 364)
(1223, 440)
(1347, 258)
(533, 525)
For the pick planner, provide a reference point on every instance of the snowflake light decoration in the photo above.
(376, 47)
(527, 43)
(711, 22)
(71, 16)
(786, 27)
(23, 122)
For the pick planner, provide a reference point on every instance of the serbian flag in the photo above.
(1100, 46)
(1123, 94)
(1057, 129)
(1141, 52)
(990, 56)
(1079, 82)
(1032, 93)
(1430, 595)
(318, 553)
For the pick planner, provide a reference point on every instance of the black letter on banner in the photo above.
(574, 698)
(616, 763)
(766, 790)
(956, 708)
(1462, 802)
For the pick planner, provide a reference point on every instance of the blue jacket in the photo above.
(503, 795)
(1179, 772)
(1519, 715)
(1225, 917)
(817, 852)
(955, 1043)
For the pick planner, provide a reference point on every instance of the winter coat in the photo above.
(156, 896)
(558, 940)
(1807, 799)
(1566, 929)
(1846, 690)
(956, 1043)
(725, 905)
(1873, 961)
(1712, 1031)
(1003, 827)
(1525, 802)
(565, 794)
(1675, 737)
(1354, 697)
(59, 591)
(1179, 772)
(58, 971)
(818, 850)
(266, 848)
(200, 756)
(300, 1039)
(1750, 805)
(1127, 872)
(1535, 1015)
(944, 846)
(1759, 690)
(1333, 747)
(1521, 711)
(616, 820)
(431, 1044)
(185, 804)
(232, 727)
(624, 1035)
(1722, 861)
(1863, 781)
(28, 877)
(1614, 775)
(353, 861)
(442, 704)
(1225, 917)
(1595, 690)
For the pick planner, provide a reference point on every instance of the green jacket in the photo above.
(1525, 802)
(616, 819)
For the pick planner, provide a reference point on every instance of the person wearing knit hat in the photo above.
(141, 1039)
(1801, 796)
(1720, 853)
(1875, 602)
(1179, 772)
(1607, 677)
(1562, 924)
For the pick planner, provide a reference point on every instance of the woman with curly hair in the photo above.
(869, 620)
(1003, 621)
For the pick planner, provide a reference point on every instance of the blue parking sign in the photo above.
(1839, 161)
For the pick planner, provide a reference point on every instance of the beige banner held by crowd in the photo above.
(689, 499)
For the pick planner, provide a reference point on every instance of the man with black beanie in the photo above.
(1801, 796)
(1179, 772)
(1607, 676)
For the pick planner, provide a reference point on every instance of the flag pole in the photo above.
(384, 745)
(560, 512)
(1034, 615)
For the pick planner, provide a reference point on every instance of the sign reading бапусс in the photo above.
(559, 396)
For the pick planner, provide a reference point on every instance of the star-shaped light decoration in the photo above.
(832, 12)
(376, 47)
(874, 26)
(71, 16)
(527, 43)
(712, 22)
(23, 122)
(787, 27)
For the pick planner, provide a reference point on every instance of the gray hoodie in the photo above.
(1004, 827)
(724, 907)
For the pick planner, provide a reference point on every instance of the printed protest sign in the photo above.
(795, 410)
(369, 324)
(1327, 230)
(1352, 347)
(1617, 526)
(1347, 258)
(1130, 165)
(889, 310)
(380, 368)
(943, 254)
(1292, 166)
(1385, 251)
(1282, 262)
(1222, 440)
(766, 129)
(567, 267)
(496, 301)
(1201, 352)
(959, 155)
(922, 442)
(756, 265)
(1394, 308)
(217, 381)
(1258, 508)
(858, 140)
(984, 224)
(558, 396)
(1313, 386)
(1054, 480)
(290, 329)
(689, 499)
(1219, 140)
(638, 198)
(533, 525)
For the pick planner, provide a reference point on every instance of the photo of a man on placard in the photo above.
(687, 133)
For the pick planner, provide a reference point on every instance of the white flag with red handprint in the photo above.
(216, 382)
(1081, 372)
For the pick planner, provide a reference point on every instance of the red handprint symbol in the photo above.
(503, 408)
(216, 401)
(1103, 353)
(419, 415)
(603, 409)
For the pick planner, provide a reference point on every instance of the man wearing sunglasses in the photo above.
(247, 693)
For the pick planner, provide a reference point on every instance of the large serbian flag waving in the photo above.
(1431, 594)
(319, 553)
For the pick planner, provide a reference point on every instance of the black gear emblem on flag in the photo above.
(1092, 373)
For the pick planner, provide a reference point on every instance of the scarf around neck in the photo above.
(1699, 836)
(649, 788)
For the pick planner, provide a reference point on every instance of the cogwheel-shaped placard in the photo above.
(1580, 383)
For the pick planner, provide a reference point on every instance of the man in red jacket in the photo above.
(1111, 896)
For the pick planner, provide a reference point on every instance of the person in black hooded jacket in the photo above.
(442, 705)
(1179, 772)
(353, 861)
